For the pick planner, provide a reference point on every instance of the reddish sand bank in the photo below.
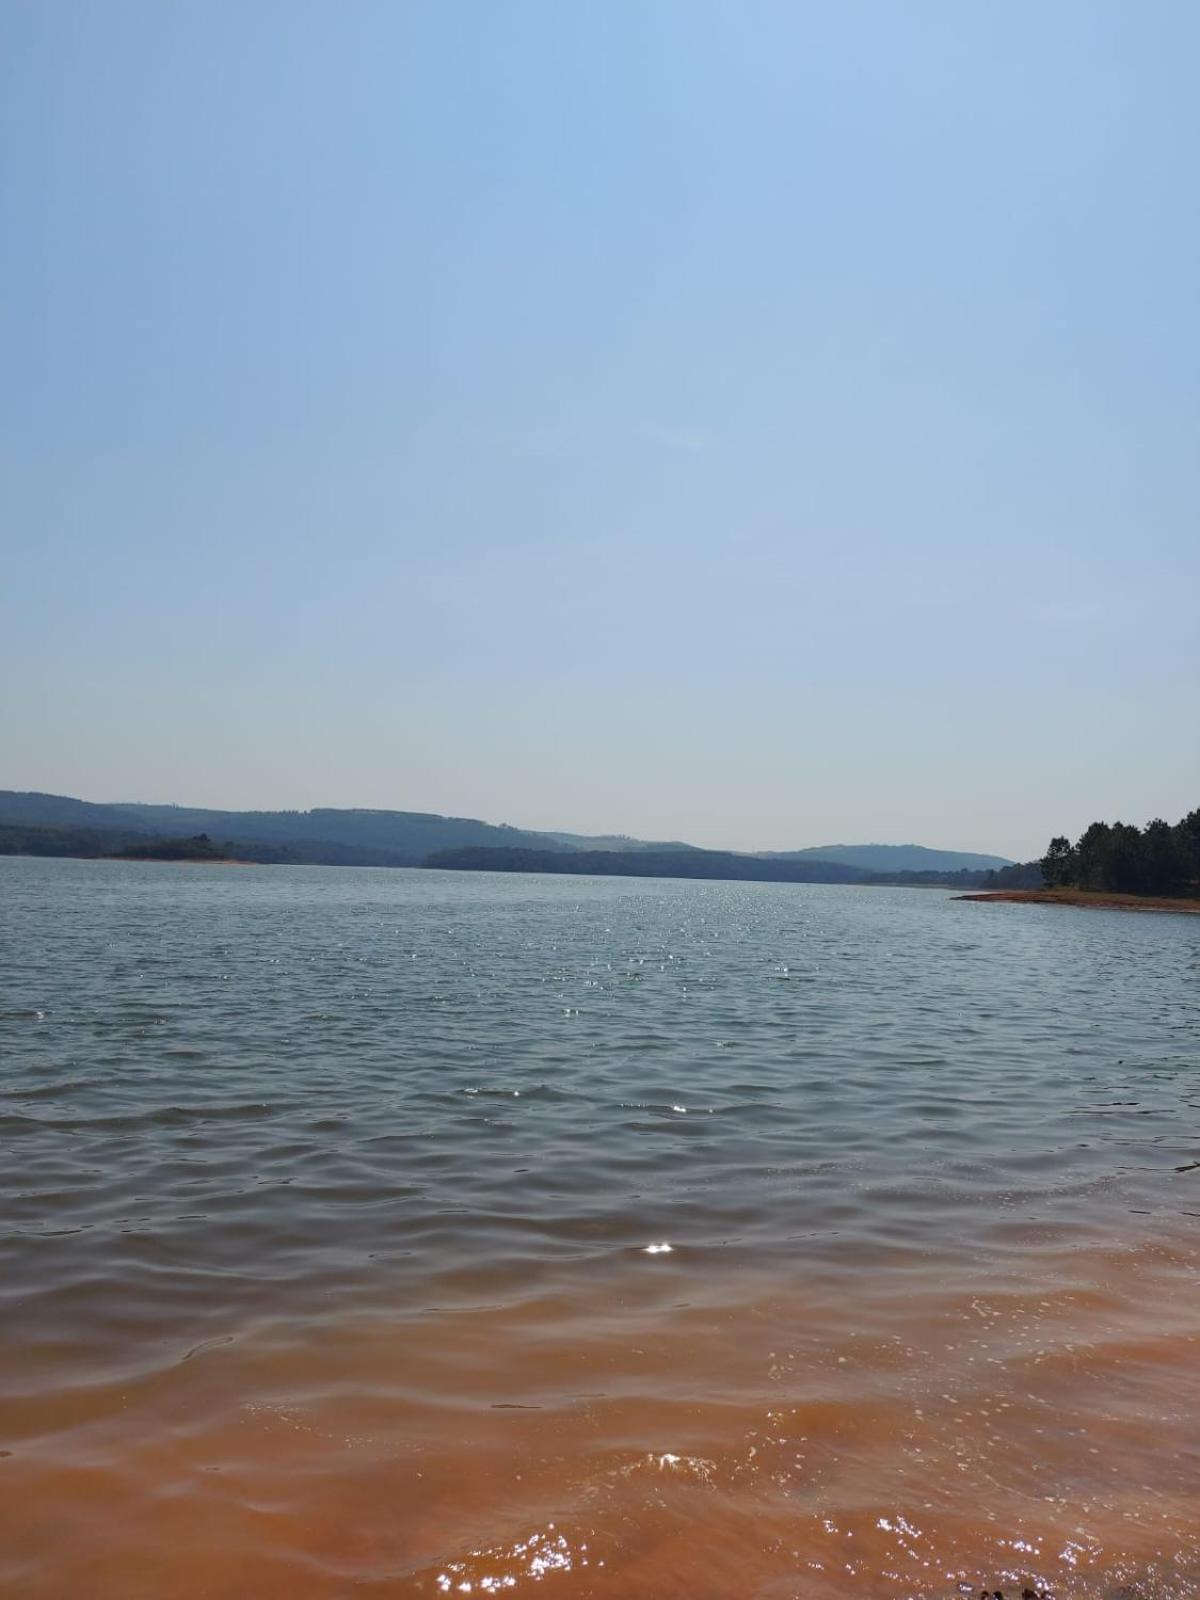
(1087, 897)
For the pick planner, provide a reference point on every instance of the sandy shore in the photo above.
(1097, 899)
(176, 861)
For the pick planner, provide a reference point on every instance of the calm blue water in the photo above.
(230, 1094)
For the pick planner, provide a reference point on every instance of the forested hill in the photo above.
(383, 838)
(360, 837)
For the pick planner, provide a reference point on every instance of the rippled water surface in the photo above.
(329, 1205)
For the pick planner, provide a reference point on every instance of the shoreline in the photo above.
(135, 861)
(1089, 899)
(170, 861)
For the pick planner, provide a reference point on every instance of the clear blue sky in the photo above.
(764, 424)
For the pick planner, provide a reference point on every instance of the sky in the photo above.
(759, 424)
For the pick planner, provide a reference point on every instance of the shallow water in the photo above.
(327, 1198)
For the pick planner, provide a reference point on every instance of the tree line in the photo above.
(647, 862)
(198, 848)
(1158, 859)
(642, 863)
(20, 839)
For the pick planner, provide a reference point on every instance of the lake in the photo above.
(336, 1208)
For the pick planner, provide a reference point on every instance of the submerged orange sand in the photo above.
(678, 1429)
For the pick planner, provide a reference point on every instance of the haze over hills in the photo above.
(611, 841)
(892, 857)
(406, 838)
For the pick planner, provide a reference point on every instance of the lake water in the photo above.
(329, 1201)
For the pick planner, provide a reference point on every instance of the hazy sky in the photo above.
(763, 424)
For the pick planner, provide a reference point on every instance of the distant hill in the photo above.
(359, 837)
(380, 838)
(893, 858)
(59, 811)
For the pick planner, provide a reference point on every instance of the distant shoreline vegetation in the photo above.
(679, 862)
(1118, 858)
(198, 848)
(59, 825)
(716, 864)
(39, 824)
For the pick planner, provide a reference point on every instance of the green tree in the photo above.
(1058, 864)
(1187, 834)
(1165, 860)
(1092, 856)
(1126, 860)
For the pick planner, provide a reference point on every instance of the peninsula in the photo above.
(1090, 899)
(199, 848)
(1117, 867)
